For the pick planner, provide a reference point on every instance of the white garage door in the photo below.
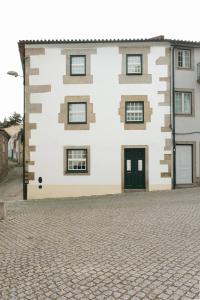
(183, 164)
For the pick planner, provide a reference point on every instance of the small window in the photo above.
(77, 113)
(183, 103)
(134, 112)
(77, 161)
(78, 65)
(134, 64)
(184, 59)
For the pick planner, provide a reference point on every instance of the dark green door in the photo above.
(134, 168)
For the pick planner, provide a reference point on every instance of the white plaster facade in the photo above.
(106, 135)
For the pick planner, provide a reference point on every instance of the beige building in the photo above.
(4, 137)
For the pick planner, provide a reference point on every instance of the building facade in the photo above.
(187, 113)
(97, 117)
(4, 137)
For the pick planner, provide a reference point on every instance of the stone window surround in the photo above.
(147, 111)
(78, 79)
(192, 91)
(63, 114)
(134, 78)
(84, 147)
(191, 59)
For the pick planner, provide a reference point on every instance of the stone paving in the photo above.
(130, 246)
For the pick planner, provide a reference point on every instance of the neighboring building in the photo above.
(4, 137)
(187, 113)
(20, 146)
(97, 117)
(15, 143)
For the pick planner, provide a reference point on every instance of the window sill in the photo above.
(87, 79)
(185, 115)
(184, 69)
(130, 79)
(76, 173)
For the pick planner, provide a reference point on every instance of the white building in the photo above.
(97, 117)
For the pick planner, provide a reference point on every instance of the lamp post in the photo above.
(15, 74)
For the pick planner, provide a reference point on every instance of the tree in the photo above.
(15, 119)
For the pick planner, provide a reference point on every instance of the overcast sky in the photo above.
(64, 19)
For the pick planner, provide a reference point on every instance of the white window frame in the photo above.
(134, 64)
(183, 111)
(76, 159)
(72, 73)
(181, 59)
(134, 111)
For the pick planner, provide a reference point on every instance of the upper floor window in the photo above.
(184, 58)
(183, 103)
(78, 65)
(134, 64)
(134, 112)
(77, 112)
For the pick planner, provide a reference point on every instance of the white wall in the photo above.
(106, 136)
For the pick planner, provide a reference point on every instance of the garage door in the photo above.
(183, 164)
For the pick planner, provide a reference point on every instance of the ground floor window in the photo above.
(76, 160)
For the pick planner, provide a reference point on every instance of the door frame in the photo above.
(146, 148)
(193, 144)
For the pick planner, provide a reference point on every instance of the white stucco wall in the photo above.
(106, 136)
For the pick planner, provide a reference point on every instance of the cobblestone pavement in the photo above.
(130, 246)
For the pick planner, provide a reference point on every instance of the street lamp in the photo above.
(14, 73)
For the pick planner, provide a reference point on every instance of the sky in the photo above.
(84, 19)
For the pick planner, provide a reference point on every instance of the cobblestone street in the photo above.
(130, 246)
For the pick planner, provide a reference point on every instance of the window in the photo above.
(184, 59)
(183, 103)
(77, 161)
(77, 112)
(78, 65)
(134, 112)
(134, 64)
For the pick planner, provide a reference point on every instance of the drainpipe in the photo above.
(173, 119)
(24, 135)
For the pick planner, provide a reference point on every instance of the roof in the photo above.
(13, 130)
(159, 38)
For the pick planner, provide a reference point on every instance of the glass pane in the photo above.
(187, 58)
(178, 103)
(77, 160)
(180, 58)
(187, 103)
(77, 112)
(134, 64)
(134, 112)
(78, 65)
(139, 165)
(128, 165)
